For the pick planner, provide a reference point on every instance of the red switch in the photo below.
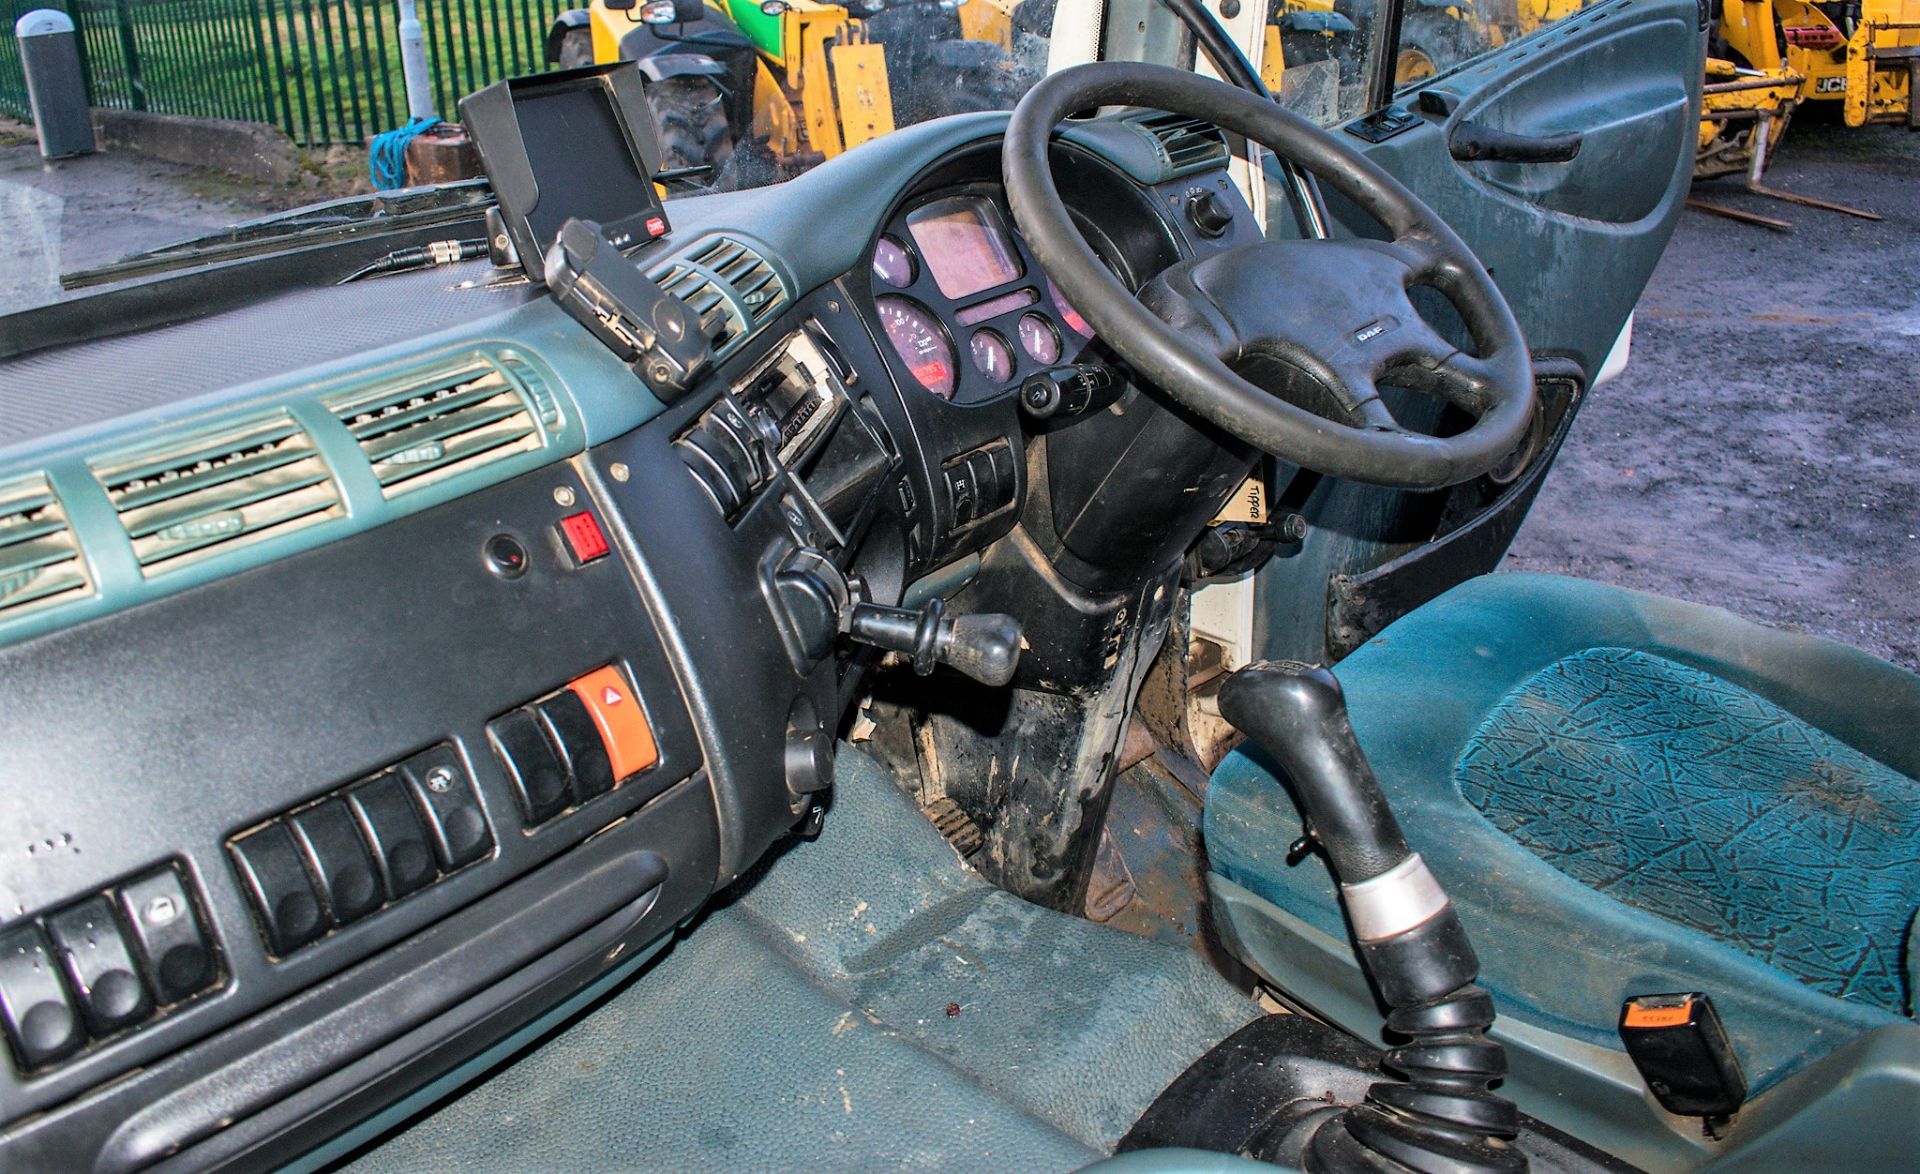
(584, 537)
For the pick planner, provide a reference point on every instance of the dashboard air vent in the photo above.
(435, 426)
(732, 288)
(201, 493)
(1185, 144)
(719, 318)
(748, 274)
(40, 564)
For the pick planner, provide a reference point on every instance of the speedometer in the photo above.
(920, 342)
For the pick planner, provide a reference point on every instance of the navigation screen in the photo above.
(581, 160)
(578, 143)
(964, 245)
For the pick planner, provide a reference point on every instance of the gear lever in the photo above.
(1441, 1116)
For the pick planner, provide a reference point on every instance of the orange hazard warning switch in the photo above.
(622, 723)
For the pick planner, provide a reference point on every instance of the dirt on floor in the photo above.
(1762, 450)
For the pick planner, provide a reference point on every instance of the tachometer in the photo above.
(920, 342)
(1067, 313)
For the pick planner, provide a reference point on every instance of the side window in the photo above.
(1317, 56)
(1436, 35)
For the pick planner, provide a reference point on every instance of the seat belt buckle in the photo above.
(1682, 1051)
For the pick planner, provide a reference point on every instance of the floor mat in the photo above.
(864, 1002)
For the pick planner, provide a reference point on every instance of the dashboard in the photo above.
(389, 666)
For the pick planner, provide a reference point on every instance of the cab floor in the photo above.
(864, 1001)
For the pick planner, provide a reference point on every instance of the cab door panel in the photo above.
(1570, 244)
(1605, 181)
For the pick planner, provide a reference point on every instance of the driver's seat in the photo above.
(1627, 795)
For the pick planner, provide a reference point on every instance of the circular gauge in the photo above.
(916, 336)
(1068, 314)
(1039, 339)
(992, 356)
(892, 264)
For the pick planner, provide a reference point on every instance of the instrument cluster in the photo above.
(965, 306)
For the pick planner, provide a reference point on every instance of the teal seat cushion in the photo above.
(1623, 795)
(1686, 796)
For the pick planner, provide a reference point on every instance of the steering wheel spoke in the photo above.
(1423, 257)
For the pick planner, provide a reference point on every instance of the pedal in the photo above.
(960, 831)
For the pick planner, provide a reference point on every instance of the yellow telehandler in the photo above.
(750, 90)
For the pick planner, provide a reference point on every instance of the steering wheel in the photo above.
(1320, 323)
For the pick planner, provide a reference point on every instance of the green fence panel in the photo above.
(324, 71)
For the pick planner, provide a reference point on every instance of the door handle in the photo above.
(1472, 142)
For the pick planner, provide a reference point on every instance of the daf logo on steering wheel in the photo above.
(1375, 329)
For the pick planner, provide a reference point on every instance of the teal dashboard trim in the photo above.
(596, 398)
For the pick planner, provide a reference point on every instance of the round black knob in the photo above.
(1209, 214)
(506, 557)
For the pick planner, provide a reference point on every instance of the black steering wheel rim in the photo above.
(1495, 384)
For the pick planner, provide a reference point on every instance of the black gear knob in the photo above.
(1406, 936)
(1298, 714)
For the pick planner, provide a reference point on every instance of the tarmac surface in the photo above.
(78, 213)
(1761, 452)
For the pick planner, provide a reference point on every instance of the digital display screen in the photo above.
(583, 163)
(964, 245)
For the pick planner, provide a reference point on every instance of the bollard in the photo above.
(56, 88)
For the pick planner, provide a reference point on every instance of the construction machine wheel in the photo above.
(692, 116)
(1431, 41)
(576, 49)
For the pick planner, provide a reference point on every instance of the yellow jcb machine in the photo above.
(1768, 56)
(779, 85)
(1773, 55)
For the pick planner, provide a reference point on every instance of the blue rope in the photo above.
(387, 154)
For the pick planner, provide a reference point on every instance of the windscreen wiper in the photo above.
(323, 223)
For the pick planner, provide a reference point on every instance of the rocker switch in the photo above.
(100, 967)
(40, 1020)
(174, 952)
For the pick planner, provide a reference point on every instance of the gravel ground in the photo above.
(1762, 450)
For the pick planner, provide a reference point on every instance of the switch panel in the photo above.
(574, 744)
(979, 483)
(349, 854)
(101, 966)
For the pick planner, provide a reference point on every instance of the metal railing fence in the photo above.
(325, 71)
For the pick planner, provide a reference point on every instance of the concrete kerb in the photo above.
(250, 150)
